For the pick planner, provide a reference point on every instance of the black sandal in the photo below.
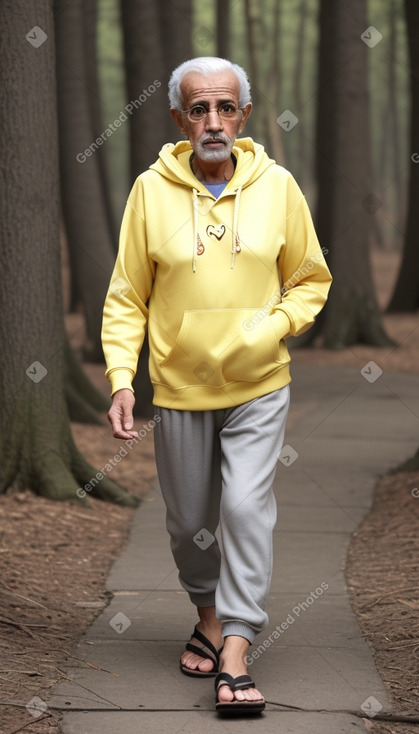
(207, 651)
(236, 684)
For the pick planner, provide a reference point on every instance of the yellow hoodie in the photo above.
(219, 282)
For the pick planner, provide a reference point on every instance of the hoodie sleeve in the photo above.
(304, 274)
(125, 313)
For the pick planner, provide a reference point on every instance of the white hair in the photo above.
(206, 65)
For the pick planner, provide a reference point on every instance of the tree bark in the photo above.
(175, 22)
(257, 123)
(149, 119)
(406, 292)
(222, 20)
(82, 397)
(346, 201)
(272, 101)
(410, 465)
(36, 446)
(92, 251)
(90, 22)
(298, 102)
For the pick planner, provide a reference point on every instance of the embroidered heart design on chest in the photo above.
(216, 231)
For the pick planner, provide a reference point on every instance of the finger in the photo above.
(118, 428)
(126, 435)
(127, 419)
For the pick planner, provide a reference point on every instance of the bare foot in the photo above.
(232, 661)
(210, 626)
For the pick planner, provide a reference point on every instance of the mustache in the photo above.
(216, 137)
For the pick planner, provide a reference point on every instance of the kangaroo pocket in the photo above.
(218, 346)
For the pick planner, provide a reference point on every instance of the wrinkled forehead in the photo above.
(217, 87)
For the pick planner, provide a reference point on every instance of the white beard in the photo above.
(206, 154)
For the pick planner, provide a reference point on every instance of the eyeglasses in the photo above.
(226, 111)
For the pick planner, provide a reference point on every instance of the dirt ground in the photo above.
(54, 557)
(383, 581)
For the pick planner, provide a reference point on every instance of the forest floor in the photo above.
(54, 557)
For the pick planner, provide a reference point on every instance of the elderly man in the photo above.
(218, 258)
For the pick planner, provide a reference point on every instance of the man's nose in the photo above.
(213, 121)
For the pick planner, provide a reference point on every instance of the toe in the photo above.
(189, 660)
(252, 694)
(248, 694)
(205, 665)
(225, 694)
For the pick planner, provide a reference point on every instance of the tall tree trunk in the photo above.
(346, 200)
(263, 124)
(398, 216)
(406, 293)
(149, 118)
(222, 20)
(175, 21)
(86, 220)
(298, 80)
(271, 93)
(36, 446)
(90, 22)
(252, 20)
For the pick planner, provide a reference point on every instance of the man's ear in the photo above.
(177, 118)
(245, 116)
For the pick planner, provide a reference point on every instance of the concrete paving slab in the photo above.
(318, 678)
(357, 418)
(328, 484)
(302, 622)
(295, 486)
(331, 679)
(366, 453)
(147, 613)
(353, 407)
(271, 722)
(310, 519)
(305, 560)
(132, 669)
(308, 616)
(142, 565)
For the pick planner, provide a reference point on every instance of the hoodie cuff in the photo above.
(120, 379)
(281, 324)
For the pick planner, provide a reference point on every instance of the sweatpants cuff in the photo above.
(240, 629)
(203, 600)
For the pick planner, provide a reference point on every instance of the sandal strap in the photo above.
(224, 679)
(210, 653)
(241, 683)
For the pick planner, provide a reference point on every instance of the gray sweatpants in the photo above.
(217, 467)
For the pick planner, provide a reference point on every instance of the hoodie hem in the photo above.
(206, 397)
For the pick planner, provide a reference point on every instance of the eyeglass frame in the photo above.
(207, 112)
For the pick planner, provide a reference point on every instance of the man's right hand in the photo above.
(120, 414)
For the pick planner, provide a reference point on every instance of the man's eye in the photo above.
(197, 111)
(228, 109)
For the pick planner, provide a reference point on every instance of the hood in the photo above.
(251, 162)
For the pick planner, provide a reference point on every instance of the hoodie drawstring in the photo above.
(236, 241)
(195, 228)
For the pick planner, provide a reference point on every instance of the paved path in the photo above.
(317, 671)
